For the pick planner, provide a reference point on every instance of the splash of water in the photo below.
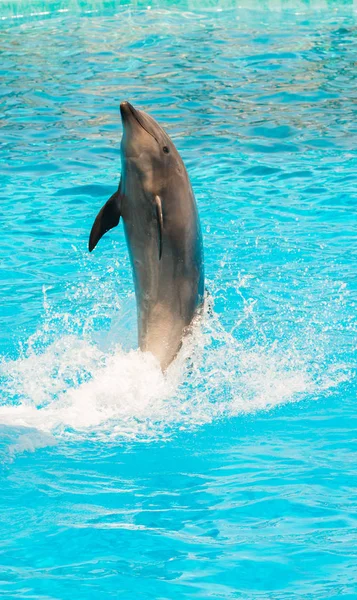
(68, 384)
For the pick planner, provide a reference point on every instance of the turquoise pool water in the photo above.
(234, 476)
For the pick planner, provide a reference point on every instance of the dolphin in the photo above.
(163, 234)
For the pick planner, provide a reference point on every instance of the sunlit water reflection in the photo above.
(233, 476)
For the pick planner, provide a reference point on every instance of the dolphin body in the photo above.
(163, 234)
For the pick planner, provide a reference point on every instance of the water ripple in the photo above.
(233, 476)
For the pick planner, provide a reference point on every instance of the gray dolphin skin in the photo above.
(163, 234)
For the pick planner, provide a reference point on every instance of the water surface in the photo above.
(235, 475)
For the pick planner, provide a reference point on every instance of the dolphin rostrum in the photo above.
(163, 234)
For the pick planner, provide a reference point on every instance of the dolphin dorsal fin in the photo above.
(160, 222)
(107, 218)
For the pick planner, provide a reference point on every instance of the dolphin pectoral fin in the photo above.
(160, 222)
(107, 218)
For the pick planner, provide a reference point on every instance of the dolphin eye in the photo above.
(166, 150)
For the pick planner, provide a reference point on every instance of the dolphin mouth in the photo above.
(127, 109)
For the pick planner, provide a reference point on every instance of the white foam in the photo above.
(29, 442)
(75, 383)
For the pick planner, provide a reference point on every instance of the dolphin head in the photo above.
(147, 150)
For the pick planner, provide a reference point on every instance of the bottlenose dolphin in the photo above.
(163, 234)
